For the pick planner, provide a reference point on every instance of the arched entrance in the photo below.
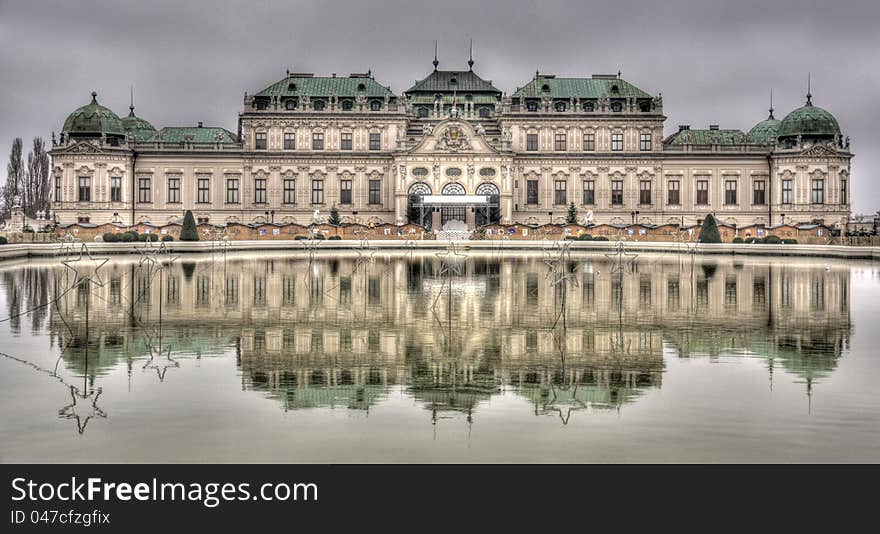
(415, 212)
(489, 213)
(453, 213)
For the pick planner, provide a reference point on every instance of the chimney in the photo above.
(200, 124)
(683, 127)
(713, 126)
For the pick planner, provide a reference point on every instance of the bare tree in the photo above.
(14, 177)
(36, 186)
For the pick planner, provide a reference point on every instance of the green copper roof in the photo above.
(809, 120)
(579, 88)
(299, 85)
(459, 99)
(707, 137)
(181, 134)
(94, 119)
(458, 81)
(765, 131)
(138, 128)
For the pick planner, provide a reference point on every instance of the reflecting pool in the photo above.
(368, 356)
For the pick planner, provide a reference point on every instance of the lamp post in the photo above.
(634, 214)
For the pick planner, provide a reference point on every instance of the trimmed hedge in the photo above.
(600, 238)
(789, 241)
(709, 231)
(334, 238)
(586, 237)
(189, 231)
(737, 239)
(3, 241)
(772, 240)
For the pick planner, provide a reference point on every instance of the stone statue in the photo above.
(427, 129)
(588, 218)
(316, 217)
(453, 112)
(480, 130)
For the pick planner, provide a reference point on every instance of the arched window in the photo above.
(489, 213)
(560, 106)
(423, 111)
(318, 105)
(347, 105)
(375, 105)
(487, 189)
(453, 189)
(545, 88)
(362, 87)
(290, 104)
(532, 105)
(589, 107)
(616, 107)
(420, 188)
(484, 112)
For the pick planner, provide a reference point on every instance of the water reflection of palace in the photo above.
(345, 331)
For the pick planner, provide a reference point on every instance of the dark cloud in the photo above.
(192, 61)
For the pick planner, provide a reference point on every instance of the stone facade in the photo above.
(308, 143)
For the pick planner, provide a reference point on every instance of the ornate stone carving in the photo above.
(453, 139)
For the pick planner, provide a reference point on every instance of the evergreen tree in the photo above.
(709, 231)
(334, 216)
(572, 214)
(189, 232)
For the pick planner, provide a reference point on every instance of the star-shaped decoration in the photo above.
(155, 255)
(449, 264)
(622, 259)
(89, 402)
(86, 267)
(160, 360)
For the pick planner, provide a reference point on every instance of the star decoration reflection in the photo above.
(86, 263)
(88, 403)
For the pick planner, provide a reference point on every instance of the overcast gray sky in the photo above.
(714, 62)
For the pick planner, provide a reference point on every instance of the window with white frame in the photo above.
(559, 141)
(345, 191)
(531, 142)
(318, 141)
(259, 190)
(645, 192)
(589, 142)
(818, 191)
(289, 141)
(375, 192)
(559, 193)
(232, 191)
(145, 189)
(645, 141)
(617, 141)
(260, 141)
(204, 190)
(589, 192)
(345, 141)
(289, 191)
(787, 191)
(673, 193)
(317, 191)
(730, 192)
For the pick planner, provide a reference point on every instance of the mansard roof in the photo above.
(712, 136)
(598, 86)
(448, 81)
(297, 84)
(197, 134)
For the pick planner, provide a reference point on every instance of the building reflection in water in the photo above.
(340, 332)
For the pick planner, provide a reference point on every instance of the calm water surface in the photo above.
(369, 357)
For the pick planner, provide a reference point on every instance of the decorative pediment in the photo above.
(818, 173)
(453, 136)
(83, 170)
(819, 150)
(82, 147)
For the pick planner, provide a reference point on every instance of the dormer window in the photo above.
(484, 112)
(589, 107)
(375, 105)
(531, 105)
(545, 88)
(560, 106)
(362, 87)
(318, 105)
(262, 104)
(615, 89)
(347, 105)
(290, 104)
(453, 81)
(616, 107)
(644, 106)
(423, 111)
(291, 87)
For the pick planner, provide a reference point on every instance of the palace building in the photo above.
(452, 147)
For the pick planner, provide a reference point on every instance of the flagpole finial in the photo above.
(471, 59)
(131, 105)
(771, 104)
(436, 62)
(809, 93)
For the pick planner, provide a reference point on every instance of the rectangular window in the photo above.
(144, 189)
(375, 141)
(173, 189)
(345, 141)
(345, 191)
(617, 141)
(673, 193)
(289, 191)
(318, 141)
(260, 140)
(843, 191)
(730, 192)
(375, 191)
(559, 193)
(786, 191)
(702, 192)
(232, 191)
(259, 190)
(617, 192)
(559, 142)
(532, 192)
(532, 142)
(289, 141)
(589, 192)
(204, 191)
(57, 196)
(645, 141)
(115, 188)
(818, 196)
(759, 197)
(85, 188)
(589, 142)
(645, 192)
(317, 191)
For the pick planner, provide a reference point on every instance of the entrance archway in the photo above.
(453, 213)
(489, 213)
(415, 213)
